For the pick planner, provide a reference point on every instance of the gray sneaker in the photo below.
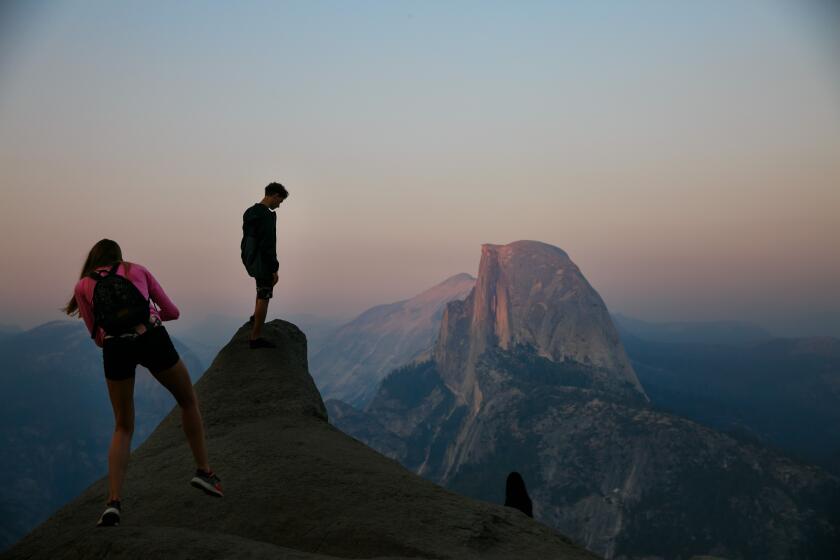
(208, 482)
(111, 516)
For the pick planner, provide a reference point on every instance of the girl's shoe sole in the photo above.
(201, 486)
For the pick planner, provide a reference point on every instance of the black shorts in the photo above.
(265, 287)
(153, 350)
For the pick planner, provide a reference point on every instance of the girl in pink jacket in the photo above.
(116, 317)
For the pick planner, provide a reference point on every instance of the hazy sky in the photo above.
(685, 154)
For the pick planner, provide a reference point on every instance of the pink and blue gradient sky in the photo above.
(686, 155)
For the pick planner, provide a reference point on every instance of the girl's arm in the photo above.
(168, 310)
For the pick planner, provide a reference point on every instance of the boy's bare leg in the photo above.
(260, 312)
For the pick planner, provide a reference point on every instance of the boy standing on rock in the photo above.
(259, 255)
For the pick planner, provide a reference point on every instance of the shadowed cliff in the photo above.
(295, 486)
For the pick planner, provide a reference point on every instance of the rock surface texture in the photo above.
(296, 487)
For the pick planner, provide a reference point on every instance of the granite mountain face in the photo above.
(295, 486)
(353, 360)
(530, 295)
(528, 374)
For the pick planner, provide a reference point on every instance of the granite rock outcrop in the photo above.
(296, 487)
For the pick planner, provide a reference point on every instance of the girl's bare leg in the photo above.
(121, 394)
(177, 380)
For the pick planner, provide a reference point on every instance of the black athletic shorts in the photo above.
(153, 350)
(265, 287)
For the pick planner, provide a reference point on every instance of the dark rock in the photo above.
(296, 487)
(516, 494)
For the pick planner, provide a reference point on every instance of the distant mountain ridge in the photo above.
(653, 346)
(353, 360)
(7, 330)
(529, 374)
(780, 392)
(729, 333)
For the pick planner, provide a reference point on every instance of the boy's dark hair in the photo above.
(276, 188)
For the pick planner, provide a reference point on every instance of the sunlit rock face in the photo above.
(530, 294)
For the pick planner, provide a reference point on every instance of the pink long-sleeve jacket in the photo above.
(142, 279)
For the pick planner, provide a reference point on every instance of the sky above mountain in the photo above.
(685, 155)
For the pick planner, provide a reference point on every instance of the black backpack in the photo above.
(250, 254)
(118, 306)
